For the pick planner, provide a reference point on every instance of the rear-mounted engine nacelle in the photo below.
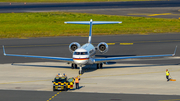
(73, 46)
(102, 47)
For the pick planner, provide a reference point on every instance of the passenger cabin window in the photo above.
(80, 53)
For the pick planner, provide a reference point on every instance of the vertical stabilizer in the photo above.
(90, 31)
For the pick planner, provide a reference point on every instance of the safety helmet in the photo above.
(64, 74)
(58, 73)
(166, 69)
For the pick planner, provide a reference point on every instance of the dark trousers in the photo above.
(167, 77)
(77, 85)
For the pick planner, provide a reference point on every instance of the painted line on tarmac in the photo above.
(24, 81)
(53, 96)
(131, 74)
(97, 43)
(24, 38)
(110, 43)
(126, 43)
(148, 14)
(160, 14)
(157, 41)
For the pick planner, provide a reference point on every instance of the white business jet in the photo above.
(85, 55)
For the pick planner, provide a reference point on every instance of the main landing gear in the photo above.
(99, 65)
(73, 65)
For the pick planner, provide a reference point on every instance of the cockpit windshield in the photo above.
(84, 53)
(80, 53)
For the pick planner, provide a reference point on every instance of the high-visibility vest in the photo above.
(76, 80)
(167, 73)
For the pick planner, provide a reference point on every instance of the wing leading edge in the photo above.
(42, 57)
(99, 60)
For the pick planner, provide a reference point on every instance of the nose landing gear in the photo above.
(73, 65)
(80, 70)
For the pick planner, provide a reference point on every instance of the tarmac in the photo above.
(157, 9)
(115, 78)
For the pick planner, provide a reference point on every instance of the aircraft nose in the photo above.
(80, 60)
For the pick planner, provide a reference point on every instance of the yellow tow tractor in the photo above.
(63, 83)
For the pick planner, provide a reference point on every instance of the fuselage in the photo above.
(84, 55)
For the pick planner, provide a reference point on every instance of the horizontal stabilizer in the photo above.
(93, 22)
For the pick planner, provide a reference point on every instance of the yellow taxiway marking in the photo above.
(111, 43)
(23, 38)
(138, 14)
(54, 96)
(84, 36)
(93, 43)
(160, 14)
(157, 41)
(126, 43)
(171, 100)
(147, 14)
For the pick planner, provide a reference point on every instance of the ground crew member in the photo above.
(77, 82)
(59, 74)
(167, 74)
(64, 74)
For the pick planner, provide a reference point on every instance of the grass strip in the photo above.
(50, 24)
(63, 1)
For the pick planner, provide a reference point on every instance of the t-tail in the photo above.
(91, 22)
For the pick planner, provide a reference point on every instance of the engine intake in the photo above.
(73, 46)
(102, 47)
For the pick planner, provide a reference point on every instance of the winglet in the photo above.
(175, 51)
(4, 50)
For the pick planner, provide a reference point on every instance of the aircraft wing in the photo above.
(42, 57)
(100, 60)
